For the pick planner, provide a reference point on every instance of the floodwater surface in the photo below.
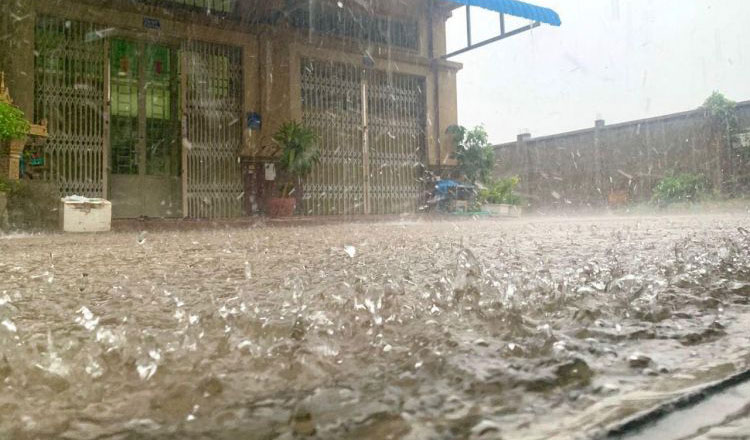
(530, 328)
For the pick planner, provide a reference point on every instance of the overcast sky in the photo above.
(612, 59)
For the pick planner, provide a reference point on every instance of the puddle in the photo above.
(527, 328)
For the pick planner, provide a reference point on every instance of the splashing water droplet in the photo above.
(351, 251)
(94, 369)
(146, 371)
(87, 319)
(9, 325)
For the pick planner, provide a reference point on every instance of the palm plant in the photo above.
(299, 152)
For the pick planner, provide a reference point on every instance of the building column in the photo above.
(522, 151)
(18, 62)
(442, 96)
(598, 126)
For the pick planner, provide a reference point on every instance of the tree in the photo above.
(720, 110)
(722, 124)
(474, 153)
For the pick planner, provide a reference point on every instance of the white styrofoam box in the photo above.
(81, 214)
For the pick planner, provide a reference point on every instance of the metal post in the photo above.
(502, 24)
(365, 146)
(492, 40)
(105, 134)
(142, 85)
(184, 130)
(468, 25)
(598, 127)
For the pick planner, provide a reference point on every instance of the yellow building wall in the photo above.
(271, 57)
(440, 76)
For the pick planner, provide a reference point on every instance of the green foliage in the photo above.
(501, 192)
(474, 154)
(722, 114)
(719, 108)
(299, 150)
(5, 185)
(13, 125)
(682, 187)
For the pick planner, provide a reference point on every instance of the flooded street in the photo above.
(531, 328)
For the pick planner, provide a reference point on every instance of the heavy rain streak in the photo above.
(246, 219)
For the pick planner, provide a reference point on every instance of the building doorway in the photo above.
(145, 148)
(371, 125)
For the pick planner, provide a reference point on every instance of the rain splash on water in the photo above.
(413, 330)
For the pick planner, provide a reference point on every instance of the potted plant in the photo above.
(498, 197)
(299, 154)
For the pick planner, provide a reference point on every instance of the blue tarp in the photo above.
(517, 8)
(442, 186)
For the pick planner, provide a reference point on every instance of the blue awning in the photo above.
(517, 8)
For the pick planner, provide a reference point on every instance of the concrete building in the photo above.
(167, 107)
(156, 105)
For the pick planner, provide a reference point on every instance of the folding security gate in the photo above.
(212, 129)
(69, 78)
(72, 80)
(371, 125)
(144, 173)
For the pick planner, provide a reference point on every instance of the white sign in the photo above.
(270, 171)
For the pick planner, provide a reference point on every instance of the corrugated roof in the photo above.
(517, 8)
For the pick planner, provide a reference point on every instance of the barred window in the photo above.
(214, 6)
(331, 20)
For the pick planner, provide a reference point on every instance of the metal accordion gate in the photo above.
(69, 78)
(371, 126)
(212, 129)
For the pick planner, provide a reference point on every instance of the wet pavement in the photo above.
(529, 328)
